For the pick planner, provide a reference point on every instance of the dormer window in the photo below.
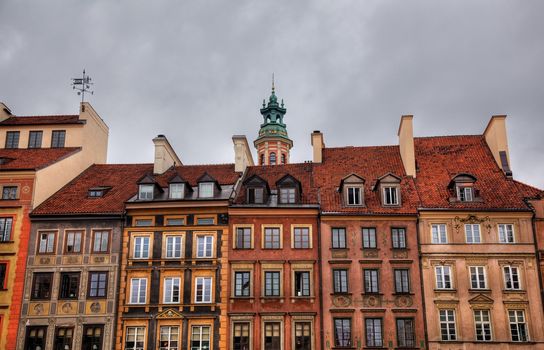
(288, 195)
(96, 193)
(464, 193)
(462, 188)
(255, 195)
(176, 190)
(354, 195)
(388, 186)
(205, 190)
(352, 190)
(390, 195)
(146, 192)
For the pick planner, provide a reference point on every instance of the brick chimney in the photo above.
(165, 156)
(497, 141)
(406, 144)
(242, 153)
(5, 112)
(317, 144)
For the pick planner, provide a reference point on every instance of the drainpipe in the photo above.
(320, 273)
(537, 253)
(421, 285)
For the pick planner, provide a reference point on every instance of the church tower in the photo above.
(273, 144)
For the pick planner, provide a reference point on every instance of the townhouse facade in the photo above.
(38, 155)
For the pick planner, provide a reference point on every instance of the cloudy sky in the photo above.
(197, 71)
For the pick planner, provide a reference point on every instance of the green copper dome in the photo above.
(273, 114)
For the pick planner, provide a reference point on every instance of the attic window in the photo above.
(354, 195)
(97, 192)
(205, 190)
(255, 195)
(465, 194)
(288, 195)
(146, 192)
(5, 160)
(176, 190)
(464, 187)
(390, 195)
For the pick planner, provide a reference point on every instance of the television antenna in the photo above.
(82, 85)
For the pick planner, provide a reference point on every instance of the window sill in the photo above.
(6, 242)
(370, 249)
(403, 293)
(338, 294)
(479, 290)
(444, 290)
(234, 297)
(339, 249)
(507, 291)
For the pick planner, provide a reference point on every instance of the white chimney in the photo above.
(406, 144)
(317, 144)
(242, 153)
(165, 156)
(497, 141)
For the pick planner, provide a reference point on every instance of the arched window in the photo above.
(272, 158)
(262, 159)
(268, 118)
(283, 158)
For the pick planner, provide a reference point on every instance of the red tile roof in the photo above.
(73, 198)
(224, 174)
(42, 120)
(439, 159)
(370, 163)
(33, 158)
(272, 173)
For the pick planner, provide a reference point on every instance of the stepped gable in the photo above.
(118, 180)
(441, 158)
(33, 158)
(369, 163)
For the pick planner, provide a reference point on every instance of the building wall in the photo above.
(357, 305)
(84, 310)
(288, 308)
(495, 298)
(268, 147)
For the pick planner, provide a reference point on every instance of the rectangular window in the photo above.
(175, 221)
(477, 277)
(398, 237)
(406, 337)
(169, 338)
(374, 336)
(92, 337)
(101, 240)
(5, 229)
(511, 278)
(9, 192)
(439, 235)
(241, 336)
(203, 290)
(135, 338)
(390, 196)
(63, 338)
(35, 139)
(146, 192)
(173, 246)
(204, 247)
(372, 281)
(482, 322)
(342, 332)
(58, 138)
(47, 243)
(171, 290)
(41, 286)
(242, 283)
(339, 238)
(518, 325)
(303, 336)
(506, 233)
(72, 243)
(176, 191)
(402, 281)
(12, 139)
(447, 325)
(272, 238)
(3, 272)
(205, 220)
(354, 196)
(302, 283)
(340, 280)
(98, 284)
(69, 285)
(200, 338)
(205, 190)
(138, 290)
(288, 195)
(464, 194)
(272, 336)
(141, 247)
(301, 237)
(272, 283)
(369, 238)
(255, 195)
(443, 277)
(243, 238)
(36, 337)
(143, 222)
(472, 232)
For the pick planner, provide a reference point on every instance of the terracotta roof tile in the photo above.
(33, 158)
(42, 119)
(224, 174)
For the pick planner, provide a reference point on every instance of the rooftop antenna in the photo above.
(273, 86)
(82, 85)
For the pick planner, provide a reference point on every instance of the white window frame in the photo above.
(201, 327)
(139, 253)
(517, 321)
(202, 281)
(49, 246)
(146, 191)
(354, 188)
(137, 331)
(502, 229)
(479, 321)
(204, 188)
(473, 234)
(208, 241)
(441, 237)
(168, 295)
(394, 194)
(169, 336)
(467, 191)
(447, 314)
(508, 274)
(176, 190)
(174, 255)
(481, 277)
(441, 276)
(141, 292)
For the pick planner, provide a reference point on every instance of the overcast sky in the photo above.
(197, 71)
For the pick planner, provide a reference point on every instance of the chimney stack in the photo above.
(5, 112)
(497, 141)
(242, 153)
(317, 144)
(165, 156)
(406, 144)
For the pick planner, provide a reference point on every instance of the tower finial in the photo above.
(273, 87)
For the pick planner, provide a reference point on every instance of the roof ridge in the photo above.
(351, 147)
(447, 136)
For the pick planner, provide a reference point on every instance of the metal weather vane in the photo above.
(82, 85)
